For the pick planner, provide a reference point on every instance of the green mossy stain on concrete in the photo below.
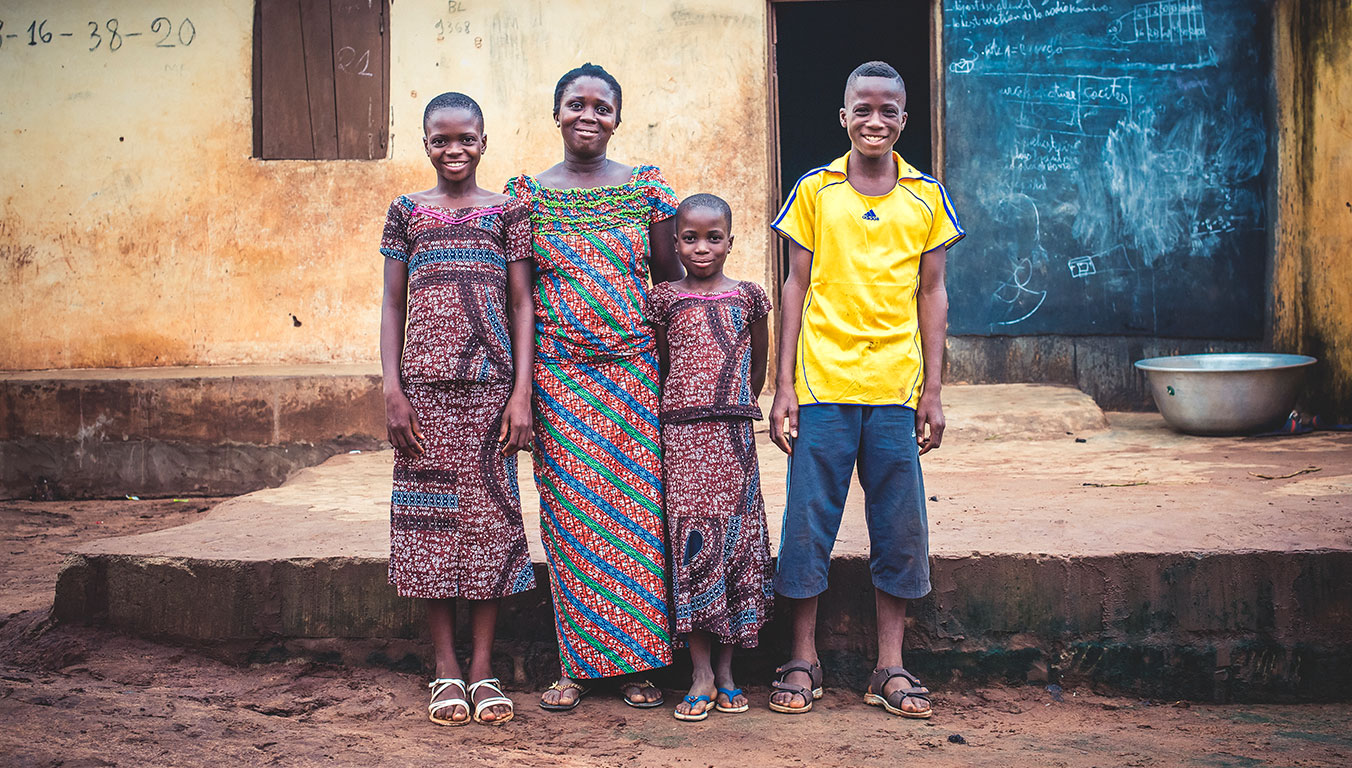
(1139, 621)
(1015, 612)
(1010, 666)
(1157, 671)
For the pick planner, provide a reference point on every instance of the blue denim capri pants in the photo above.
(831, 440)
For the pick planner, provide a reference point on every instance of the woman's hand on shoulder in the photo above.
(515, 433)
(401, 425)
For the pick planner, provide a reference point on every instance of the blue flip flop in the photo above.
(732, 694)
(692, 701)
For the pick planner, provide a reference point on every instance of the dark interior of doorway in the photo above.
(817, 45)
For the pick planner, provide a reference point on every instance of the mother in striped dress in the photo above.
(599, 228)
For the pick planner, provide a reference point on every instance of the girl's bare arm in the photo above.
(760, 353)
(663, 351)
(401, 421)
(515, 434)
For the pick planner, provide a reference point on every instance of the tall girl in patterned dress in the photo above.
(713, 336)
(456, 348)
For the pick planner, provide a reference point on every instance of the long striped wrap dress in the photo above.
(597, 448)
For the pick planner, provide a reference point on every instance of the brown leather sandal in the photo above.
(810, 695)
(561, 686)
(892, 701)
(641, 685)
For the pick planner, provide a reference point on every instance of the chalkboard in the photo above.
(1108, 160)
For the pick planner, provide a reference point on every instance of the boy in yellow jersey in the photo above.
(864, 318)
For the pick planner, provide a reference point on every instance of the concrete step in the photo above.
(217, 431)
(1139, 558)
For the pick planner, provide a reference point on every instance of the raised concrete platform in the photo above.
(217, 431)
(1140, 558)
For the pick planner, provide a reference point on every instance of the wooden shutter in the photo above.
(321, 79)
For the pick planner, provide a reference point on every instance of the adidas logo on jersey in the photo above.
(869, 215)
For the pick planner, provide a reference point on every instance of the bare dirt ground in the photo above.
(72, 696)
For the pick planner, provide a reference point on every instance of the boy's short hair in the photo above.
(709, 203)
(874, 69)
(453, 100)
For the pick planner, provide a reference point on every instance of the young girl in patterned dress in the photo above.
(713, 336)
(456, 348)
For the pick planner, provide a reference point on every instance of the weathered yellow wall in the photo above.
(1312, 308)
(135, 229)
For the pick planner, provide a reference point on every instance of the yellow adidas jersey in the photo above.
(860, 339)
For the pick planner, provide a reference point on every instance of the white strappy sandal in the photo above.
(438, 686)
(492, 701)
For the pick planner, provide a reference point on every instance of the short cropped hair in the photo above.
(707, 202)
(588, 70)
(874, 69)
(453, 100)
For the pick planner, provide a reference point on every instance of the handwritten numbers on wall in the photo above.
(350, 62)
(108, 34)
(445, 27)
(455, 25)
(187, 32)
(38, 32)
(115, 39)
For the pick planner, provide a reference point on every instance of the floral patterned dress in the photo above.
(722, 580)
(455, 511)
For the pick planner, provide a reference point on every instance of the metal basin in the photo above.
(1225, 394)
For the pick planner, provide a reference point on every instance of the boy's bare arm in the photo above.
(784, 412)
(932, 314)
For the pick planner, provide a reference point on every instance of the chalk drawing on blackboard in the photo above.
(1023, 301)
(1113, 260)
(965, 64)
(1016, 217)
(1170, 21)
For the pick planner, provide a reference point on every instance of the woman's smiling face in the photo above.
(587, 116)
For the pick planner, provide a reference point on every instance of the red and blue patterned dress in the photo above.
(722, 581)
(598, 461)
(455, 511)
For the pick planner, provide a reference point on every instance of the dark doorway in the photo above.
(817, 44)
